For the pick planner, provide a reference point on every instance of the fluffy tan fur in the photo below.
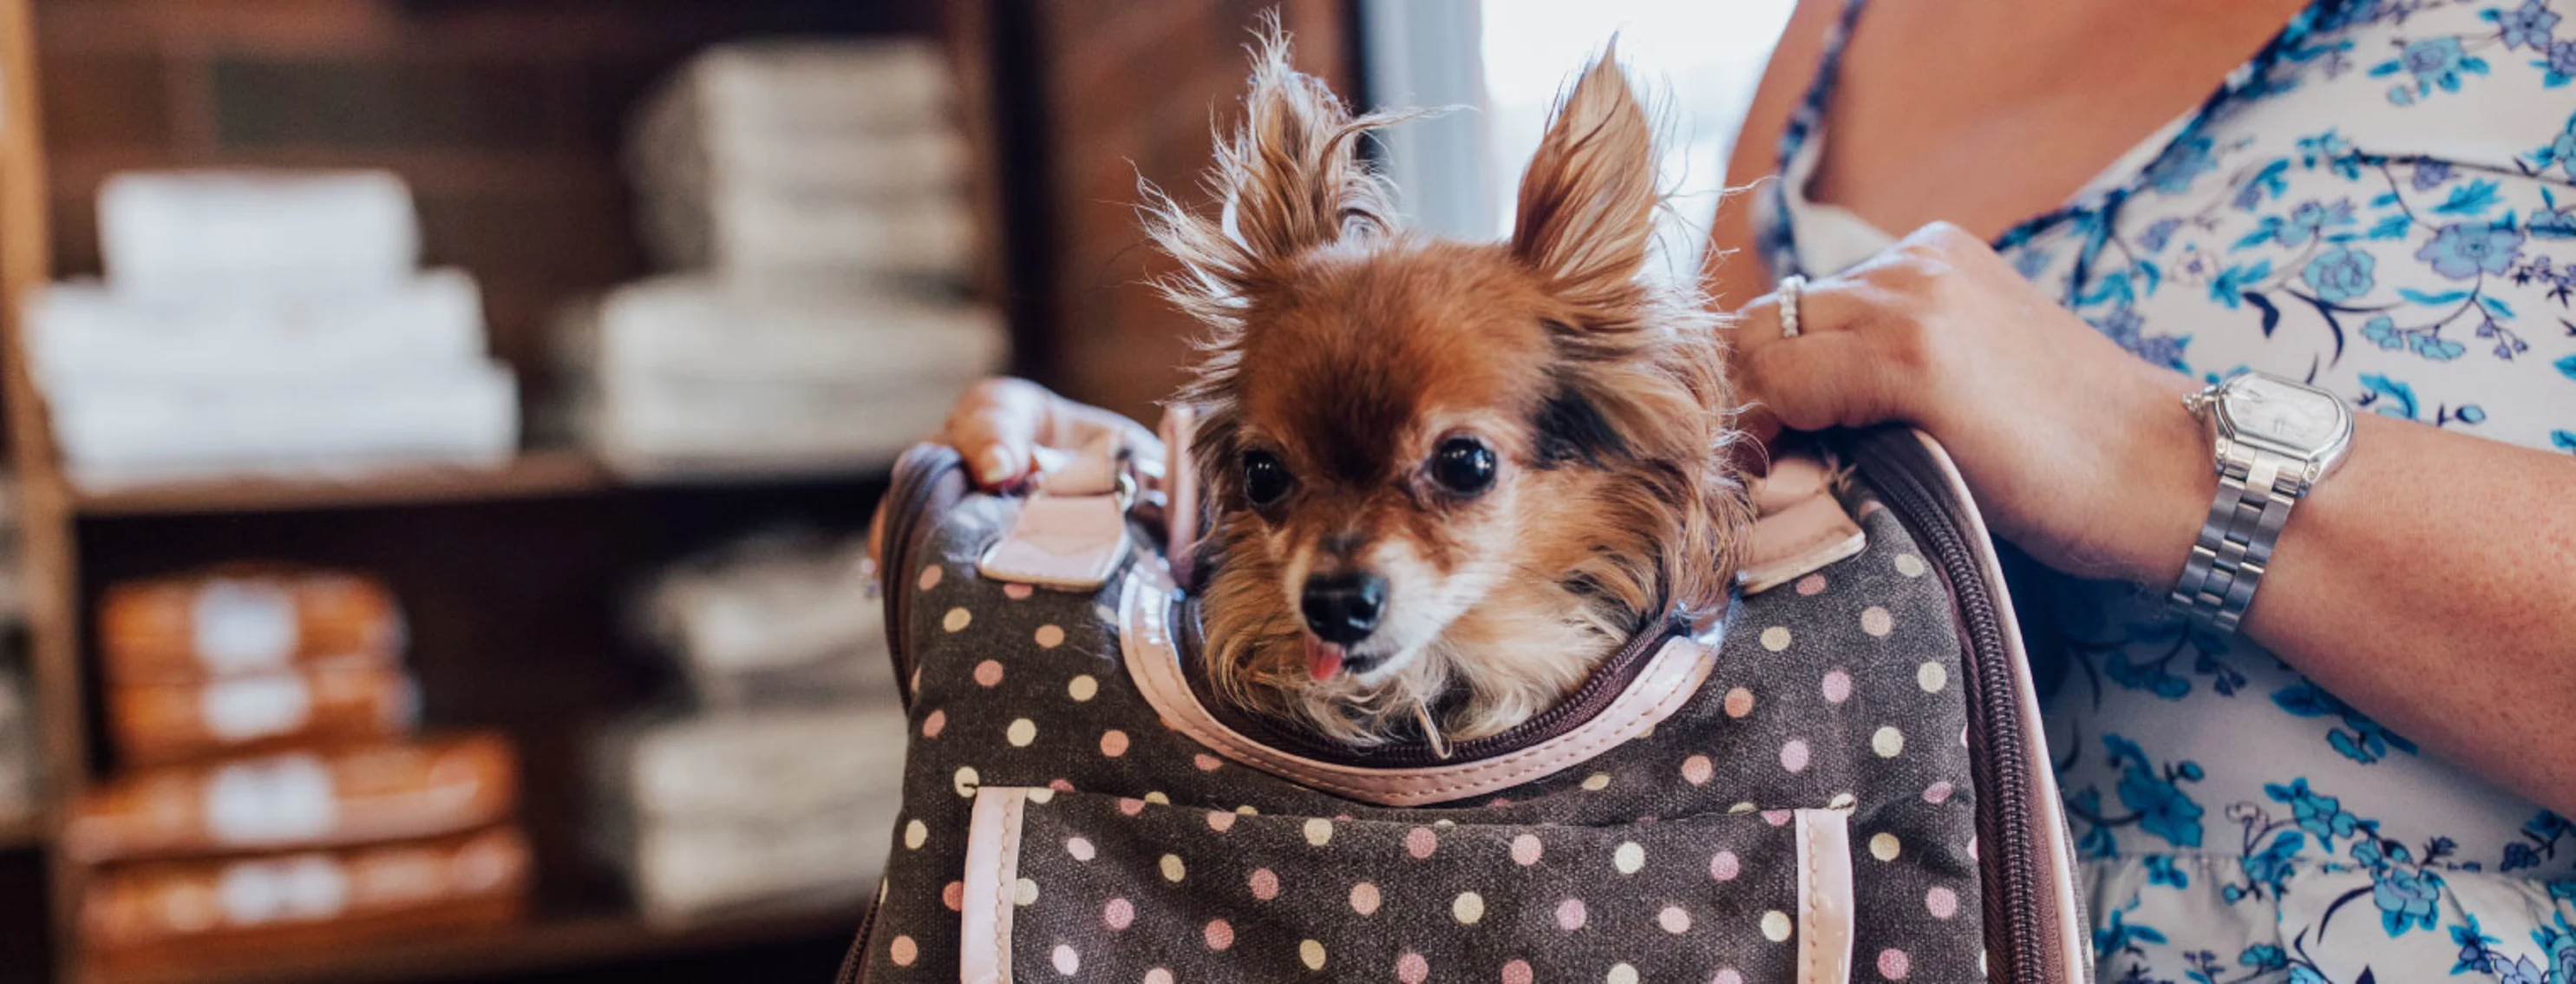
(1351, 348)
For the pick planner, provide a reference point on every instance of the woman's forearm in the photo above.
(2432, 584)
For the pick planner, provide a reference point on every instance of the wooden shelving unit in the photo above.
(551, 944)
(530, 475)
(513, 575)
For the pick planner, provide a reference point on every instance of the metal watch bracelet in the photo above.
(2256, 489)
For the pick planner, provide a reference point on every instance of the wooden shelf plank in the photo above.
(537, 474)
(543, 945)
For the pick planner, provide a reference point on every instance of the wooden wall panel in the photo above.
(1128, 90)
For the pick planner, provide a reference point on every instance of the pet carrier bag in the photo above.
(1844, 778)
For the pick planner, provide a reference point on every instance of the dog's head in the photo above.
(1449, 476)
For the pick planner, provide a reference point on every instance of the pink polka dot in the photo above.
(1364, 899)
(988, 673)
(1526, 850)
(1727, 976)
(1499, 802)
(930, 577)
(904, 951)
(953, 896)
(1060, 785)
(1265, 884)
(1793, 756)
(1113, 743)
(1893, 964)
(1697, 770)
(1519, 972)
(1049, 636)
(1837, 686)
(1812, 584)
(1942, 902)
(1936, 793)
(1220, 934)
(1130, 805)
(1570, 915)
(1412, 969)
(1777, 818)
(1420, 842)
(1206, 762)
(1017, 592)
(1724, 867)
(1739, 702)
(1158, 976)
(1118, 914)
(935, 723)
(1220, 821)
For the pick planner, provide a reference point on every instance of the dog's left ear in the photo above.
(1587, 203)
(1290, 179)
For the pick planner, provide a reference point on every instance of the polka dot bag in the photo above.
(1843, 779)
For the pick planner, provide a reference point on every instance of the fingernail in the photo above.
(994, 466)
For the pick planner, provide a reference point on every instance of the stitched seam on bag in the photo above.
(1807, 912)
(1006, 871)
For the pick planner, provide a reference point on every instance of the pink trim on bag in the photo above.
(992, 873)
(1671, 677)
(1824, 897)
(2074, 942)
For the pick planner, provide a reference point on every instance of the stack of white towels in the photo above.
(265, 323)
(776, 788)
(810, 198)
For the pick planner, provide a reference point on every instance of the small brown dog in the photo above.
(1450, 478)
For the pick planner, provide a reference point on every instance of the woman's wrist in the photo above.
(2162, 495)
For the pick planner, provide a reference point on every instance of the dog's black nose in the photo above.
(1344, 608)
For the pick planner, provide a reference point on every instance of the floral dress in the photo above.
(2382, 202)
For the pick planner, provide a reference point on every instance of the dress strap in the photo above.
(1779, 245)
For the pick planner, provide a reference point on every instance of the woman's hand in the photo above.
(999, 424)
(2079, 452)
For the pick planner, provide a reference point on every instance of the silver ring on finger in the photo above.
(1792, 288)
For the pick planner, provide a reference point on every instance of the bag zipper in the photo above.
(1896, 463)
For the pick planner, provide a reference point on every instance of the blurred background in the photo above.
(439, 431)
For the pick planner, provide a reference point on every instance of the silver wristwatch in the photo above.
(2274, 440)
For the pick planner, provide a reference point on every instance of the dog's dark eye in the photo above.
(1463, 465)
(1265, 479)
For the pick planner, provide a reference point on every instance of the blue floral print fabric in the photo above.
(2383, 203)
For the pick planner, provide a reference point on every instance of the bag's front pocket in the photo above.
(1068, 886)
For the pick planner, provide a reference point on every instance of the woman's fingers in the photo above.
(996, 425)
(1832, 374)
(1816, 381)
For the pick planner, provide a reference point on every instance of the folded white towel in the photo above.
(205, 233)
(792, 90)
(121, 433)
(670, 159)
(693, 327)
(85, 332)
(750, 231)
(660, 428)
(775, 618)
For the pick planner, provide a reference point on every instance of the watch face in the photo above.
(2295, 416)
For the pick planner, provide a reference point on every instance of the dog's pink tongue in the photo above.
(1323, 659)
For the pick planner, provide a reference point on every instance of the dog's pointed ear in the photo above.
(1290, 178)
(1587, 203)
